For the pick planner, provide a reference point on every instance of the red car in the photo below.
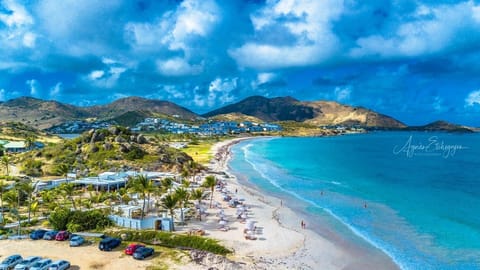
(62, 236)
(131, 248)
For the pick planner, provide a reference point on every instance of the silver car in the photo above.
(59, 265)
(27, 262)
(41, 265)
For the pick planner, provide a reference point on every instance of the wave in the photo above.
(267, 170)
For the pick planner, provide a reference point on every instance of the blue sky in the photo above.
(417, 61)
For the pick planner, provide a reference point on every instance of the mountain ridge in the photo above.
(43, 114)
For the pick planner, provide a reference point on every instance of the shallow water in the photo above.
(415, 196)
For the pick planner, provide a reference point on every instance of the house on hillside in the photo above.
(15, 146)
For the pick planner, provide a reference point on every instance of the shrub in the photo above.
(75, 221)
(174, 240)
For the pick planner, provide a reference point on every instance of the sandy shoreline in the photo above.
(282, 243)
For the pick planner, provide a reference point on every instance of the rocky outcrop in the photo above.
(215, 262)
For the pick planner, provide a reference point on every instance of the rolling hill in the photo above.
(43, 114)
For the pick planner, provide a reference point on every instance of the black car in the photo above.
(143, 252)
(109, 243)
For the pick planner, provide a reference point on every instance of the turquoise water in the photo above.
(415, 196)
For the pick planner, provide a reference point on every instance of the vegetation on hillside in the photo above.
(100, 150)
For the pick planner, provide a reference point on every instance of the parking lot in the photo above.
(86, 256)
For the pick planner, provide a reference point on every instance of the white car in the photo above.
(59, 265)
(27, 262)
(41, 265)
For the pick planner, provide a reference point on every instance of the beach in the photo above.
(281, 242)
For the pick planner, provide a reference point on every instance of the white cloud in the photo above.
(219, 92)
(432, 29)
(18, 15)
(314, 40)
(220, 89)
(342, 94)
(175, 29)
(34, 86)
(29, 39)
(177, 67)
(473, 99)
(96, 74)
(56, 90)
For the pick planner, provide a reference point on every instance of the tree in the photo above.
(169, 202)
(12, 198)
(3, 189)
(27, 188)
(182, 196)
(29, 142)
(210, 182)
(197, 194)
(68, 190)
(62, 170)
(141, 184)
(59, 218)
(167, 183)
(6, 163)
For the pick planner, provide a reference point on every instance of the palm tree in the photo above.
(141, 184)
(167, 183)
(49, 199)
(182, 196)
(27, 188)
(3, 188)
(210, 182)
(12, 198)
(29, 142)
(197, 194)
(62, 170)
(169, 202)
(34, 206)
(6, 163)
(68, 190)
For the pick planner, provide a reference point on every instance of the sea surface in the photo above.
(415, 196)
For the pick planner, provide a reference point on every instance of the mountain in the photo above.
(315, 113)
(43, 114)
(39, 113)
(134, 104)
(266, 109)
(442, 126)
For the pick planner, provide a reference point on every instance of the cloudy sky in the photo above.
(417, 61)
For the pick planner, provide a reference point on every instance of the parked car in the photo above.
(59, 265)
(41, 265)
(27, 262)
(50, 235)
(131, 248)
(109, 243)
(143, 252)
(62, 236)
(37, 234)
(10, 262)
(76, 241)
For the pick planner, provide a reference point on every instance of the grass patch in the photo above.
(172, 240)
(200, 152)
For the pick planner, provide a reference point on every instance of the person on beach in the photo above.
(302, 224)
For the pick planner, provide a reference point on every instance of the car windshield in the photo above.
(8, 260)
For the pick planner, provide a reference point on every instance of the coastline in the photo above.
(283, 244)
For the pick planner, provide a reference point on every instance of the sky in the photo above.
(417, 61)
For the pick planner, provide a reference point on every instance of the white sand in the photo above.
(281, 242)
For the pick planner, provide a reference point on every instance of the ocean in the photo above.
(415, 196)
